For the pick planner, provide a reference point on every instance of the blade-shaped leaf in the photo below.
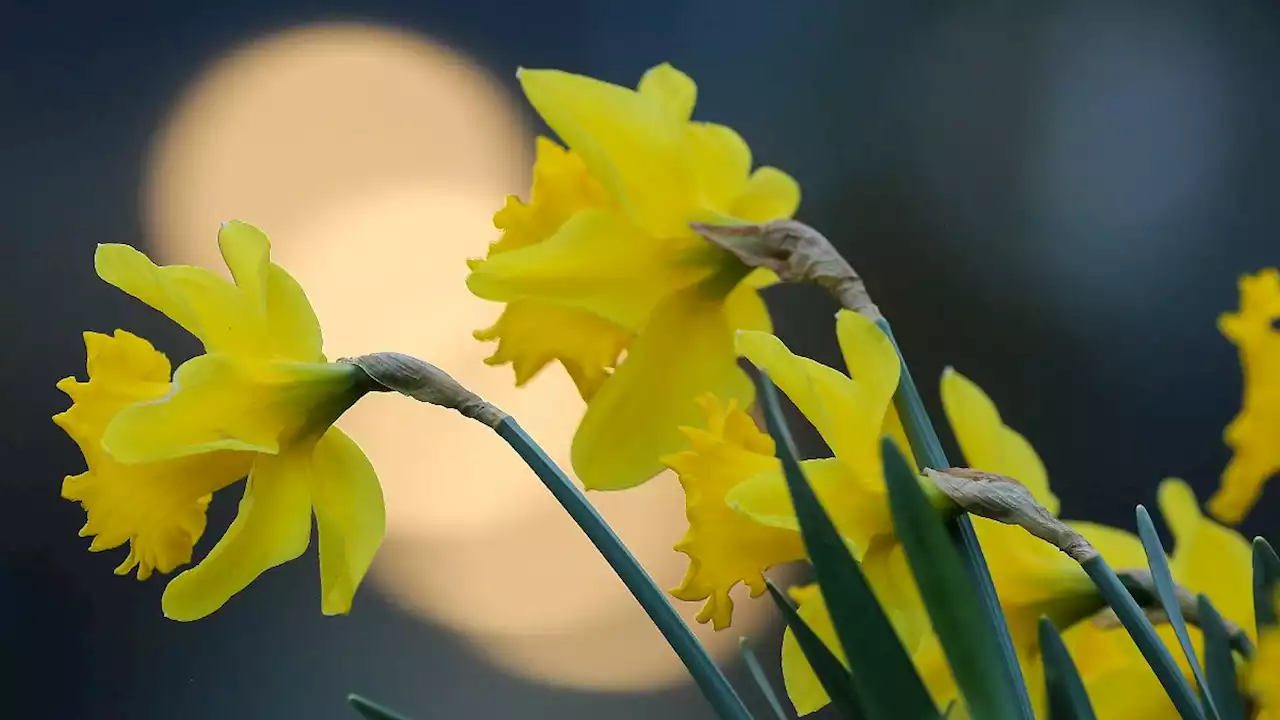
(1219, 664)
(1067, 697)
(371, 710)
(1167, 592)
(762, 680)
(831, 673)
(884, 678)
(1266, 573)
(949, 595)
(1135, 622)
(929, 453)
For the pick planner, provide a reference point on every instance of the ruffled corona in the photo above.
(725, 548)
(1251, 435)
(602, 260)
(159, 508)
(261, 401)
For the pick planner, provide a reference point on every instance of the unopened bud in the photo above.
(422, 381)
(798, 254)
(1003, 499)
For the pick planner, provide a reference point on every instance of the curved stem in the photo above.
(710, 680)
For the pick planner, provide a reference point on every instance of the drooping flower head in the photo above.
(1252, 434)
(601, 261)
(259, 403)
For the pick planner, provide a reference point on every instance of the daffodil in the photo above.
(1032, 578)
(1251, 434)
(259, 403)
(600, 263)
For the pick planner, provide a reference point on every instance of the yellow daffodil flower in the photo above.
(1032, 578)
(601, 262)
(260, 402)
(1252, 434)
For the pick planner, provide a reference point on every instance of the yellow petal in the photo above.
(1120, 548)
(597, 262)
(824, 396)
(891, 580)
(722, 163)
(351, 518)
(895, 431)
(874, 366)
(272, 528)
(292, 330)
(745, 309)
(803, 688)
(265, 314)
(859, 514)
(1027, 571)
(562, 187)
(247, 253)
(532, 333)
(207, 306)
(685, 351)
(1207, 557)
(987, 443)
(629, 141)
(671, 89)
(158, 508)
(849, 414)
(1119, 681)
(725, 548)
(218, 403)
(1264, 676)
(769, 194)
(1251, 435)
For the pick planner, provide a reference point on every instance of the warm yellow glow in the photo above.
(375, 160)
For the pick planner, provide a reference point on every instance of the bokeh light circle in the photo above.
(375, 158)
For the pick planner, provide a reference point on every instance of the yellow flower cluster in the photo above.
(738, 508)
(600, 271)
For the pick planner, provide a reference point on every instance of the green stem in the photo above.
(928, 452)
(1144, 636)
(710, 680)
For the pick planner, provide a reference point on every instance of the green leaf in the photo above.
(371, 710)
(884, 679)
(1266, 573)
(1144, 636)
(1067, 697)
(949, 595)
(1220, 664)
(762, 680)
(928, 451)
(1167, 592)
(832, 674)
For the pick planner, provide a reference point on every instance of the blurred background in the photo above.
(1056, 200)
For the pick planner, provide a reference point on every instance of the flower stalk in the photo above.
(427, 383)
